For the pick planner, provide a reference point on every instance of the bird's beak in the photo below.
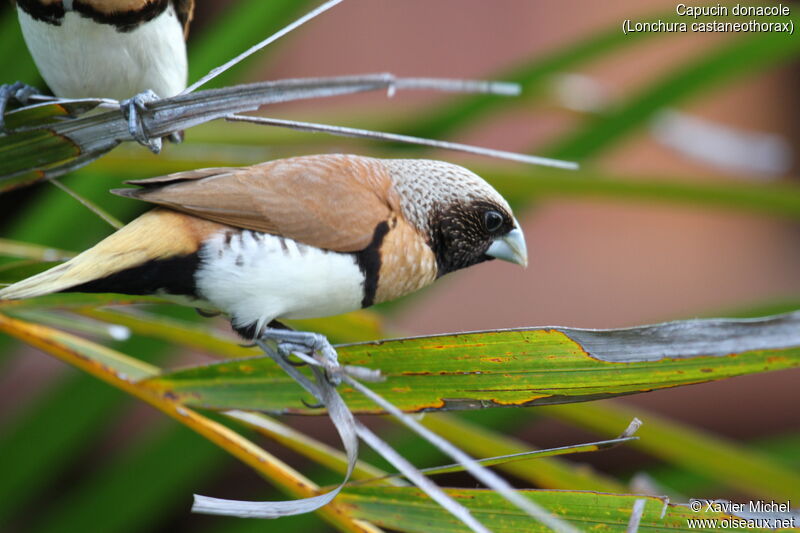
(510, 247)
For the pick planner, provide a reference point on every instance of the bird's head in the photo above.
(464, 219)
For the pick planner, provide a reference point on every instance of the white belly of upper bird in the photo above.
(81, 58)
(257, 277)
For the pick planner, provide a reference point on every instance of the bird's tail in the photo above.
(158, 234)
(54, 280)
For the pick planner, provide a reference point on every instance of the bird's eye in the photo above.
(492, 220)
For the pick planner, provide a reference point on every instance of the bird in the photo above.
(108, 48)
(302, 237)
(133, 51)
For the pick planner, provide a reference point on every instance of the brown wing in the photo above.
(329, 201)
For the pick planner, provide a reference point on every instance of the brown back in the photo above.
(333, 202)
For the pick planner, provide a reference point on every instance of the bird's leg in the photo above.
(130, 109)
(14, 91)
(286, 353)
(304, 342)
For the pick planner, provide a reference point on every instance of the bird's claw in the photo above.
(175, 137)
(131, 108)
(317, 405)
(14, 91)
(287, 349)
(312, 344)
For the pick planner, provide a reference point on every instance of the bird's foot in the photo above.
(176, 137)
(315, 349)
(131, 108)
(311, 348)
(18, 91)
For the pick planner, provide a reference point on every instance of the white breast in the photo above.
(255, 278)
(82, 58)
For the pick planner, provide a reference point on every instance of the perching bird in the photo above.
(133, 51)
(108, 48)
(303, 237)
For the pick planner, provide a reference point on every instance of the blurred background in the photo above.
(683, 208)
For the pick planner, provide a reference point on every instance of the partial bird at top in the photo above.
(108, 48)
(133, 51)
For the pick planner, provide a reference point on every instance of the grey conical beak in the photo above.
(510, 247)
